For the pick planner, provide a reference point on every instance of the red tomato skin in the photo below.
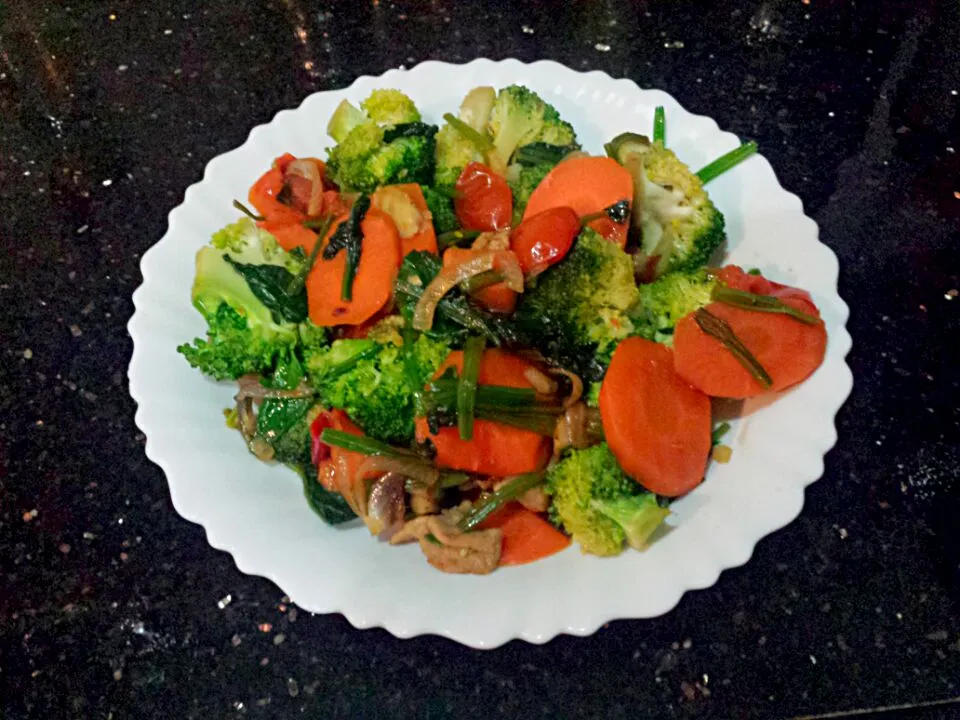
(545, 238)
(484, 201)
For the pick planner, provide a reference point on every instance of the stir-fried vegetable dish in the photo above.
(479, 337)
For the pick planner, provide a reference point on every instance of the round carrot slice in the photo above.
(373, 283)
(657, 426)
(788, 349)
(588, 185)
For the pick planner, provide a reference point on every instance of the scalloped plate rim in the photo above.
(592, 621)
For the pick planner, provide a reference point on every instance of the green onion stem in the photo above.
(452, 479)
(660, 126)
(301, 277)
(411, 369)
(455, 237)
(481, 141)
(467, 386)
(719, 431)
(726, 162)
(483, 280)
(720, 330)
(361, 444)
(760, 303)
(444, 390)
(510, 490)
(247, 211)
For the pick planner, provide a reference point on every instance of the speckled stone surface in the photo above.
(112, 606)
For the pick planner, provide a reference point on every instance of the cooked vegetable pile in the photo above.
(479, 337)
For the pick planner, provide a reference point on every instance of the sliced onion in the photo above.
(251, 387)
(507, 263)
(540, 381)
(308, 170)
(417, 470)
(576, 386)
(387, 506)
(447, 279)
(571, 429)
(492, 240)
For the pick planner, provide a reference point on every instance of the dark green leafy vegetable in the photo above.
(349, 237)
(410, 129)
(456, 316)
(330, 506)
(539, 153)
(269, 283)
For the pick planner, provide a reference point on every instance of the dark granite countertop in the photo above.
(112, 606)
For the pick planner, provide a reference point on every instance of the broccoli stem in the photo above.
(660, 126)
(467, 386)
(361, 444)
(455, 237)
(720, 329)
(480, 141)
(507, 492)
(726, 162)
(247, 211)
(760, 303)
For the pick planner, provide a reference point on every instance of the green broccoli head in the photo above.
(453, 153)
(680, 227)
(523, 180)
(384, 145)
(666, 300)
(245, 243)
(441, 209)
(243, 336)
(235, 346)
(578, 310)
(390, 107)
(595, 502)
(517, 118)
(367, 379)
(556, 131)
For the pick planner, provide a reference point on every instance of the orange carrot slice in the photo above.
(496, 450)
(787, 349)
(526, 535)
(656, 425)
(425, 238)
(588, 185)
(498, 297)
(373, 283)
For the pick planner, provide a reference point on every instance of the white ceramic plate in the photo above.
(258, 513)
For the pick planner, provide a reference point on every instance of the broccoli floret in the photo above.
(595, 502)
(245, 243)
(390, 145)
(517, 118)
(244, 335)
(235, 346)
(366, 378)
(523, 180)
(390, 107)
(454, 152)
(678, 223)
(664, 301)
(578, 310)
(441, 209)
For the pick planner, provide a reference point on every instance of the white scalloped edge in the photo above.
(257, 514)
